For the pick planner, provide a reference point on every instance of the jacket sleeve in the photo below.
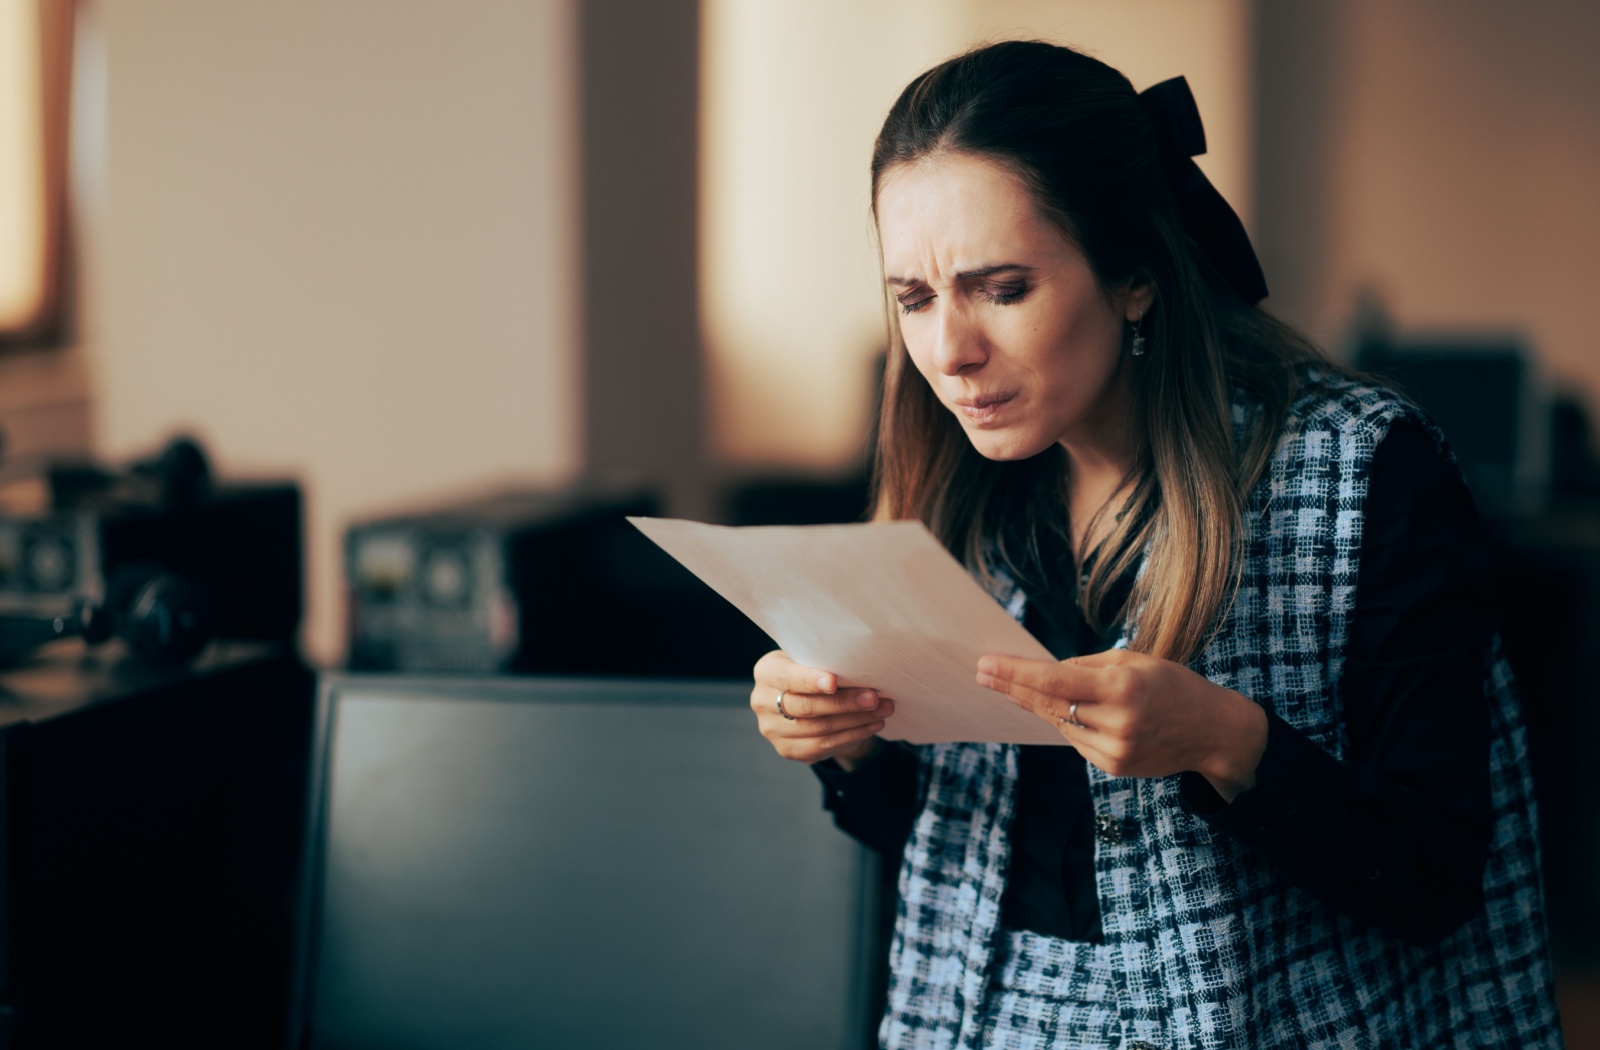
(1397, 832)
(876, 802)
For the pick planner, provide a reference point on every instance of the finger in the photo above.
(777, 670)
(1107, 754)
(1105, 658)
(813, 705)
(1027, 680)
(816, 728)
(1107, 722)
(1086, 745)
(816, 748)
(822, 747)
(1078, 715)
(1046, 705)
(1068, 678)
(1110, 720)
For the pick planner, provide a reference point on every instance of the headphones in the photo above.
(162, 618)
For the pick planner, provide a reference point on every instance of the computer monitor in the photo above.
(1484, 393)
(513, 863)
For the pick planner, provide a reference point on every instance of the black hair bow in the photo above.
(1206, 215)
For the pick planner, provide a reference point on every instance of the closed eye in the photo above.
(1005, 294)
(913, 302)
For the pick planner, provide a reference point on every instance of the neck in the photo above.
(1102, 449)
(1100, 456)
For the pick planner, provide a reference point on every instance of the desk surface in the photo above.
(68, 675)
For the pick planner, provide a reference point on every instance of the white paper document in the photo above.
(880, 605)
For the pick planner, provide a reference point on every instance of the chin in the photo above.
(1006, 447)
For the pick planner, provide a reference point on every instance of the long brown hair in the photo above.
(1076, 133)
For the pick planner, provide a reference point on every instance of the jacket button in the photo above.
(1108, 829)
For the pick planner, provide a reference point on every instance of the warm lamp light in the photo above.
(22, 212)
(33, 53)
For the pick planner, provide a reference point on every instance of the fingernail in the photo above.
(985, 680)
(823, 685)
(867, 700)
(988, 666)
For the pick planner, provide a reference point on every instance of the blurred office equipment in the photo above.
(530, 581)
(1548, 566)
(163, 619)
(1530, 462)
(1574, 464)
(798, 500)
(149, 838)
(93, 531)
(1483, 392)
(535, 862)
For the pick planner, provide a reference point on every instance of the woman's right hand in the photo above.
(823, 720)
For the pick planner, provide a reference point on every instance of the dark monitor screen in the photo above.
(537, 863)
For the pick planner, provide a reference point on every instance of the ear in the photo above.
(1138, 295)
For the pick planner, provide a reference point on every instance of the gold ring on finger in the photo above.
(1072, 715)
(781, 711)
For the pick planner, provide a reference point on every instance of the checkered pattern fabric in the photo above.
(1050, 994)
(1206, 946)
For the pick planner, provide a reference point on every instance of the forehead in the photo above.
(956, 210)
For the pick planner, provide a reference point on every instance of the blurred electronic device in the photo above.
(508, 863)
(1548, 570)
(798, 500)
(1485, 394)
(536, 582)
(102, 536)
(162, 618)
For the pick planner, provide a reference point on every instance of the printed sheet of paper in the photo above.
(880, 605)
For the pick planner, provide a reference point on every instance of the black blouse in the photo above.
(1396, 833)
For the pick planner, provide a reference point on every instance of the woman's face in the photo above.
(1000, 312)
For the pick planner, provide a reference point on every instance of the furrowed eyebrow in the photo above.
(982, 271)
(990, 271)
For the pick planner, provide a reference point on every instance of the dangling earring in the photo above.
(1138, 336)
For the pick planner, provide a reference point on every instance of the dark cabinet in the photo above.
(149, 847)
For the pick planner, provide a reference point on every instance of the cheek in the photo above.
(917, 350)
(1086, 344)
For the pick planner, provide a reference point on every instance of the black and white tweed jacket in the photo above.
(1213, 947)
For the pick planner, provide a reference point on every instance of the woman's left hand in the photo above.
(1140, 716)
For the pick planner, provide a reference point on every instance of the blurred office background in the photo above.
(407, 249)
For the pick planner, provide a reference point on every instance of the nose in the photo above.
(958, 344)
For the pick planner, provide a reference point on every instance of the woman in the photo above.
(1295, 809)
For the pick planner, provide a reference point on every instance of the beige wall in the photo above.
(1442, 153)
(793, 95)
(338, 242)
(44, 389)
(338, 238)
(1205, 41)
(1466, 188)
